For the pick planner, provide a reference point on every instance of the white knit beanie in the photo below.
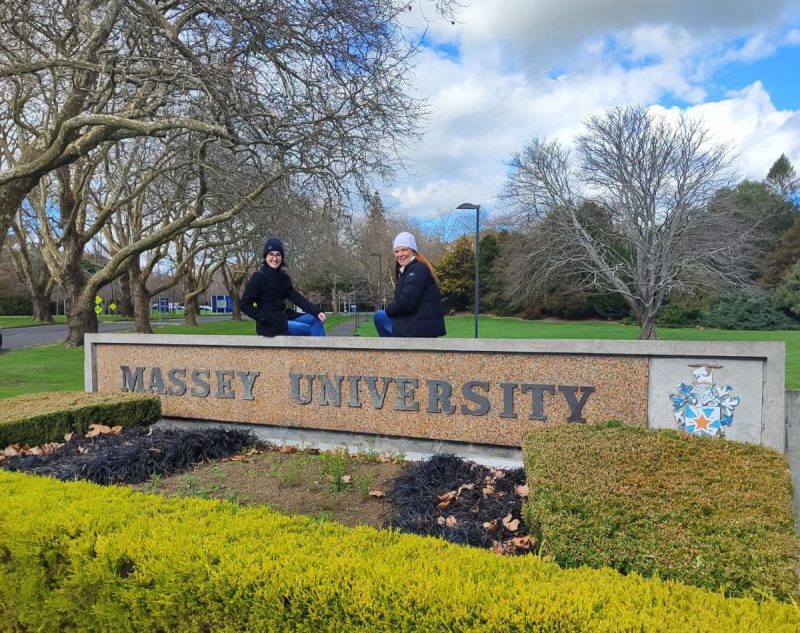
(405, 239)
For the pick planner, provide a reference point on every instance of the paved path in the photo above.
(18, 337)
(347, 328)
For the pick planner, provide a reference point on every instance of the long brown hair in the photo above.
(423, 260)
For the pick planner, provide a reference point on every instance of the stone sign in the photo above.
(477, 391)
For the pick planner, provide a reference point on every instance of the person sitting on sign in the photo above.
(264, 299)
(416, 310)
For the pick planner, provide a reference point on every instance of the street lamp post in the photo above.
(477, 207)
(380, 284)
(335, 295)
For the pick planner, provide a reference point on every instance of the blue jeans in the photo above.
(383, 323)
(306, 325)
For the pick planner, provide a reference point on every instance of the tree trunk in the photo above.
(42, 310)
(190, 293)
(82, 318)
(125, 300)
(190, 311)
(234, 286)
(141, 299)
(236, 308)
(648, 323)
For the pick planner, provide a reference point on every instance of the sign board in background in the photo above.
(221, 304)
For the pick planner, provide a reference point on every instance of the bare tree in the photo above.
(629, 213)
(26, 255)
(311, 86)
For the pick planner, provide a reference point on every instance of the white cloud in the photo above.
(530, 68)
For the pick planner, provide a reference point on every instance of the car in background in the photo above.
(205, 307)
(1, 338)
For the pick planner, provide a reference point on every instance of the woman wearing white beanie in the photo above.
(416, 310)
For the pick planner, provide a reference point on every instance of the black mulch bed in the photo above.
(134, 455)
(444, 496)
(462, 502)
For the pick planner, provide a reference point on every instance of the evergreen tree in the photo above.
(457, 275)
(782, 178)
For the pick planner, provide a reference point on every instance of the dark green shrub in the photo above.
(713, 513)
(609, 305)
(678, 315)
(15, 306)
(747, 310)
(46, 417)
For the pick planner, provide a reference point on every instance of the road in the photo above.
(17, 337)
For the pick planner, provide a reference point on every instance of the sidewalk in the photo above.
(348, 327)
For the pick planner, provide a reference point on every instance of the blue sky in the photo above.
(511, 70)
(780, 74)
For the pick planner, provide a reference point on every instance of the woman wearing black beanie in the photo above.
(264, 299)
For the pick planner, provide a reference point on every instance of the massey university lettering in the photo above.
(400, 393)
(438, 394)
(198, 382)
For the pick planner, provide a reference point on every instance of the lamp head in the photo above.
(468, 205)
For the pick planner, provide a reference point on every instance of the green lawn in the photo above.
(52, 367)
(44, 368)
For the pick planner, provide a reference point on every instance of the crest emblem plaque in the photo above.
(702, 408)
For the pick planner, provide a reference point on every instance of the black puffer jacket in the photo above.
(416, 310)
(264, 300)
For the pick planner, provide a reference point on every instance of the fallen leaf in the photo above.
(497, 547)
(252, 451)
(377, 493)
(68, 437)
(36, 450)
(465, 487)
(521, 542)
(116, 429)
(347, 479)
(510, 523)
(448, 496)
(83, 450)
(488, 491)
(10, 451)
(451, 521)
(97, 429)
(240, 458)
(51, 447)
(446, 499)
(490, 526)
(522, 491)
(440, 520)
(287, 449)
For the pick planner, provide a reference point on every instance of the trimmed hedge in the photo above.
(81, 557)
(707, 512)
(46, 417)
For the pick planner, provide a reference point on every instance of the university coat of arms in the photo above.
(701, 407)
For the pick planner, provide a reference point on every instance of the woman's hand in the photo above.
(322, 316)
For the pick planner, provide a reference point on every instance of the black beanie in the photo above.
(273, 244)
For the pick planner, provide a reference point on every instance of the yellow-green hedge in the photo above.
(703, 511)
(38, 418)
(81, 557)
